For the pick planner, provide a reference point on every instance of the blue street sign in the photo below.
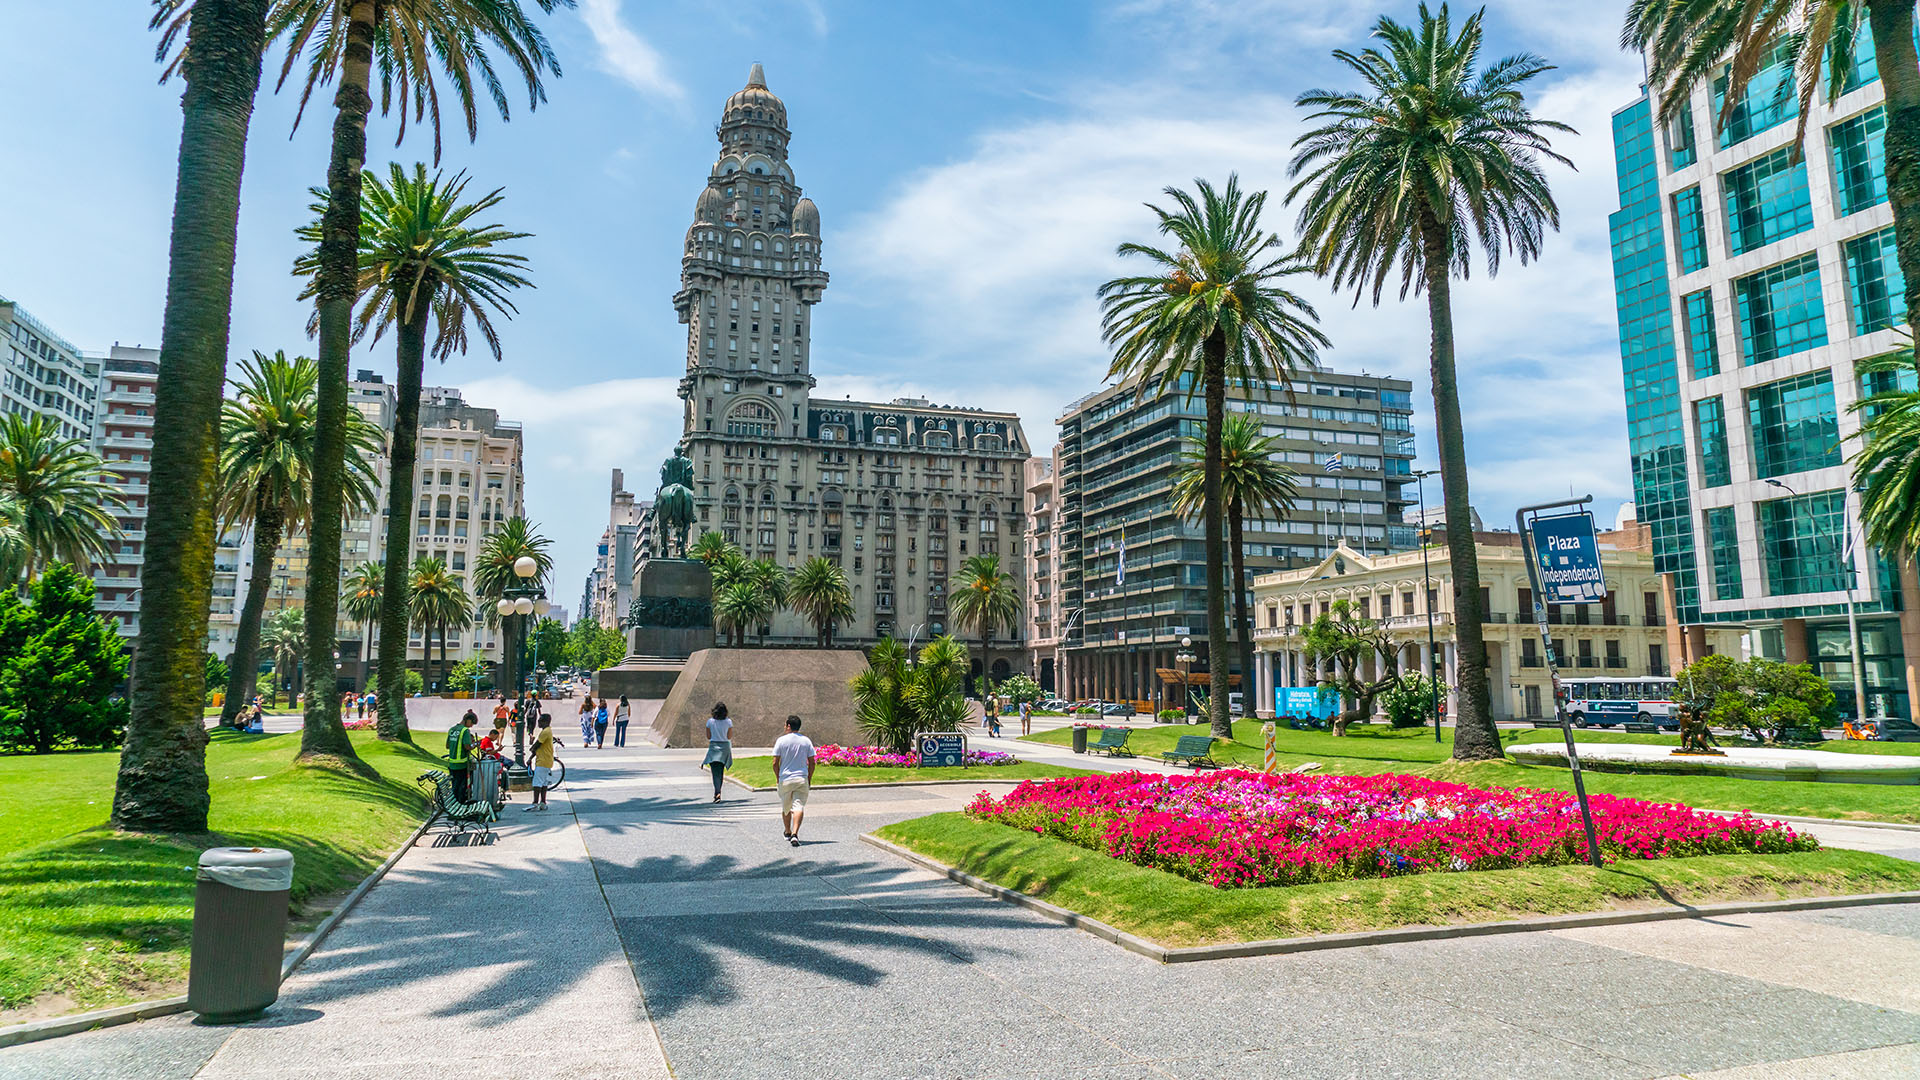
(949, 750)
(1318, 702)
(1569, 559)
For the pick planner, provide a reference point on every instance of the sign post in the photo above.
(943, 750)
(1266, 730)
(1564, 562)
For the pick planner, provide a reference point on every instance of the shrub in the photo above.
(894, 703)
(1170, 715)
(463, 673)
(216, 673)
(1020, 688)
(1409, 702)
(61, 667)
(415, 684)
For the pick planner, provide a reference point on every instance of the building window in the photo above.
(1794, 425)
(752, 419)
(1874, 281)
(1710, 428)
(1769, 101)
(1800, 538)
(1780, 310)
(1680, 144)
(1703, 344)
(1859, 148)
(1724, 539)
(1766, 201)
(1689, 230)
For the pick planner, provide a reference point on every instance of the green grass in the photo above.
(97, 917)
(1175, 911)
(1374, 748)
(758, 771)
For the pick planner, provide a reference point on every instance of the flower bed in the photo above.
(362, 724)
(1235, 829)
(874, 757)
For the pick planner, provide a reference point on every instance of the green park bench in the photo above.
(1194, 750)
(1112, 741)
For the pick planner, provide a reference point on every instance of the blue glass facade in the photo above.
(1655, 426)
(1766, 200)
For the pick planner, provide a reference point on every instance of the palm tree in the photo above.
(162, 783)
(1886, 470)
(1434, 155)
(1254, 481)
(818, 593)
(436, 601)
(1213, 310)
(13, 540)
(493, 575)
(362, 604)
(422, 261)
(768, 577)
(343, 41)
(1688, 42)
(266, 478)
(60, 506)
(284, 636)
(710, 547)
(980, 597)
(740, 605)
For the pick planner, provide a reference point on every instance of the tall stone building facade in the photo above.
(900, 493)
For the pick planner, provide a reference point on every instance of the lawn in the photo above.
(758, 772)
(1176, 912)
(1374, 748)
(97, 917)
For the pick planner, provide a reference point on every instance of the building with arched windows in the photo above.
(899, 493)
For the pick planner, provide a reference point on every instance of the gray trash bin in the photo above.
(1079, 739)
(239, 932)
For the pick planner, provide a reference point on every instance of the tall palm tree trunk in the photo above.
(241, 673)
(1214, 377)
(1242, 627)
(1474, 735)
(1894, 54)
(410, 348)
(336, 278)
(162, 785)
(446, 673)
(986, 658)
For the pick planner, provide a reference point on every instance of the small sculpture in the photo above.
(1695, 736)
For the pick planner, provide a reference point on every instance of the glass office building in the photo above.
(1119, 451)
(1749, 283)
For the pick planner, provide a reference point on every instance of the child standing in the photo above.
(600, 726)
(543, 745)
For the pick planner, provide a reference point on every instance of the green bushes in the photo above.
(1169, 716)
(895, 702)
(415, 684)
(1409, 702)
(464, 673)
(61, 667)
(1767, 698)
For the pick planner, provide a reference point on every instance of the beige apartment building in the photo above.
(1043, 618)
(1632, 633)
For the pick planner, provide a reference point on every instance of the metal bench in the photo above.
(1555, 724)
(1112, 741)
(461, 816)
(1194, 750)
(1643, 729)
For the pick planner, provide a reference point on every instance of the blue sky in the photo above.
(974, 165)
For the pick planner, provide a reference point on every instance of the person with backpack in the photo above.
(460, 748)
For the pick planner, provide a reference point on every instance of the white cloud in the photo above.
(625, 54)
(575, 436)
(993, 258)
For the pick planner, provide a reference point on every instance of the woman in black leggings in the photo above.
(719, 745)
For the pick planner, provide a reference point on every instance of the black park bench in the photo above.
(1643, 729)
(1113, 742)
(1194, 750)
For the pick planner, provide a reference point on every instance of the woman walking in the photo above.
(586, 720)
(600, 726)
(620, 717)
(719, 745)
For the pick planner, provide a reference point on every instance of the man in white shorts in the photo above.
(793, 765)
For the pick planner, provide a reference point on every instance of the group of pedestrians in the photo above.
(990, 716)
(594, 719)
(793, 761)
(463, 748)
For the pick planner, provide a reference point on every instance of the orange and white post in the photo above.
(1267, 730)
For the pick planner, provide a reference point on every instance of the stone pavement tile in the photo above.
(1619, 982)
(1896, 920)
(1880, 1063)
(887, 1046)
(555, 1062)
(1688, 1038)
(1781, 949)
(1484, 1050)
(168, 1048)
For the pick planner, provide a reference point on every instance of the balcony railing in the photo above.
(1530, 661)
(1616, 661)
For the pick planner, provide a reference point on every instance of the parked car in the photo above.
(1116, 709)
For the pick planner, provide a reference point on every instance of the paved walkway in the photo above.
(639, 931)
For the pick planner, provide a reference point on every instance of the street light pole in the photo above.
(523, 600)
(1426, 572)
(1185, 659)
(1853, 622)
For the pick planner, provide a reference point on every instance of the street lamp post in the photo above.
(1853, 623)
(1426, 572)
(525, 599)
(1185, 659)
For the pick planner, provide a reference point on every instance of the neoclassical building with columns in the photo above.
(1633, 633)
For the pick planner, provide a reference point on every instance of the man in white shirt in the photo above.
(793, 766)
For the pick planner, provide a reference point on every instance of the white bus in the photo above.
(1645, 699)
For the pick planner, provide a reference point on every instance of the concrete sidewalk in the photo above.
(468, 959)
